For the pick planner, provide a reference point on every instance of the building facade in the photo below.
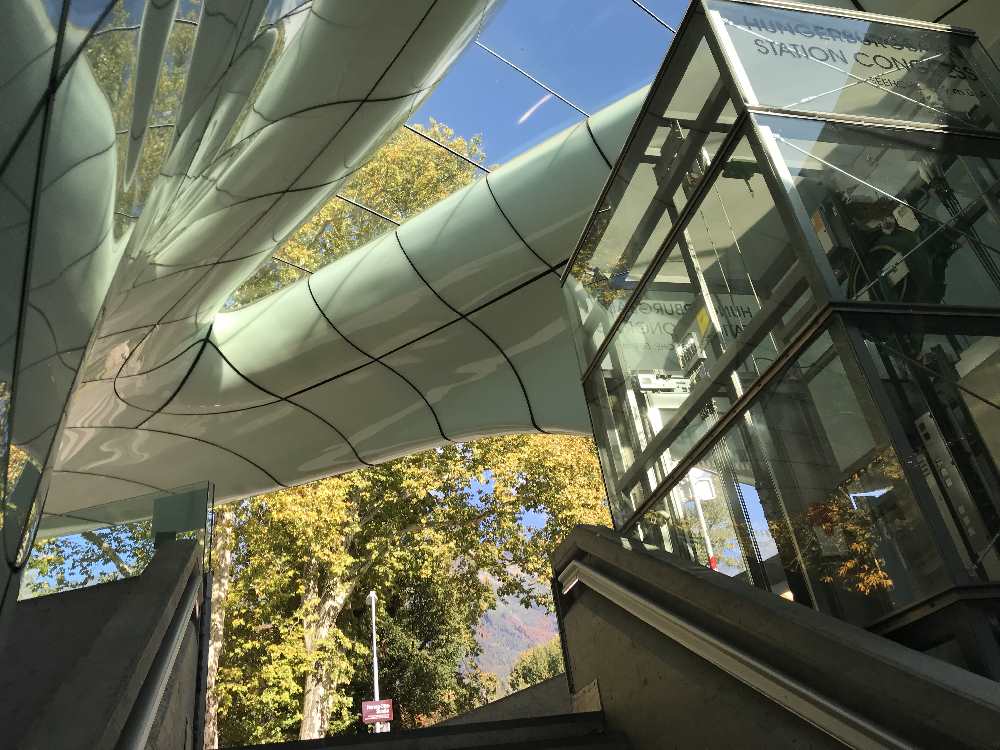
(786, 308)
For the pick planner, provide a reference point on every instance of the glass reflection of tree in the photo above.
(691, 528)
(839, 538)
(88, 558)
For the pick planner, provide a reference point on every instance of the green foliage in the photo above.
(537, 665)
(88, 558)
(112, 58)
(407, 175)
(421, 531)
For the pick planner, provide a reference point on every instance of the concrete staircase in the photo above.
(580, 731)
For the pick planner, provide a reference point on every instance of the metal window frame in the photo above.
(858, 15)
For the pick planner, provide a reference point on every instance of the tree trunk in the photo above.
(224, 531)
(323, 606)
(109, 552)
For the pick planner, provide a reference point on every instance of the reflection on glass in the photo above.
(331, 233)
(945, 391)
(410, 173)
(155, 147)
(268, 279)
(675, 141)
(822, 63)
(804, 496)
(111, 542)
(901, 218)
(720, 276)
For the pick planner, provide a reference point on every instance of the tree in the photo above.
(420, 531)
(537, 664)
(112, 57)
(88, 558)
(408, 174)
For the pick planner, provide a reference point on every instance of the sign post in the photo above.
(377, 712)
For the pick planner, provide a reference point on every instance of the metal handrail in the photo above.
(827, 715)
(135, 735)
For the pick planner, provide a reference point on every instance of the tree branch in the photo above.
(98, 541)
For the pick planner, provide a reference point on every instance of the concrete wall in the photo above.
(660, 694)
(173, 728)
(73, 663)
(548, 698)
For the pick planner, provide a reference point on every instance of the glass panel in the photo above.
(721, 275)
(110, 542)
(945, 391)
(332, 232)
(111, 55)
(804, 496)
(591, 51)
(713, 516)
(267, 279)
(482, 96)
(410, 173)
(902, 217)
(678, 134)
(155, 147)
(821, 63)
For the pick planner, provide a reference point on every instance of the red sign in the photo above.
(373, 711)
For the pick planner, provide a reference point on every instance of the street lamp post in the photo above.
(379, 725)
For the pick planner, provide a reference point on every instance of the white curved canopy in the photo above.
(448, 328)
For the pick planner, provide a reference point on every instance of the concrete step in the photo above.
(613, 741)
(540, 732)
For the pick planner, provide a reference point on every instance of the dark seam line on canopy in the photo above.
(23, 301)
(79, 163)
(511, 224)
(186, 437)
(287, 401)
(100, 243)
(242, 200)
(37, 435)
(180, 271)
(176, 390)
(13, 76)
(153, 369)
(54, 354)
(362, 352)
(311, 107)
(596, 144)
(232, 148)
(106, 476)
(307, 6)
(48, 324)
(56, 77)
(517, 375)
(375, 360)
(214, 86)
(239, 201)
(431, 332)
(312, 161)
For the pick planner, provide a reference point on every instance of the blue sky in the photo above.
(592, 52)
